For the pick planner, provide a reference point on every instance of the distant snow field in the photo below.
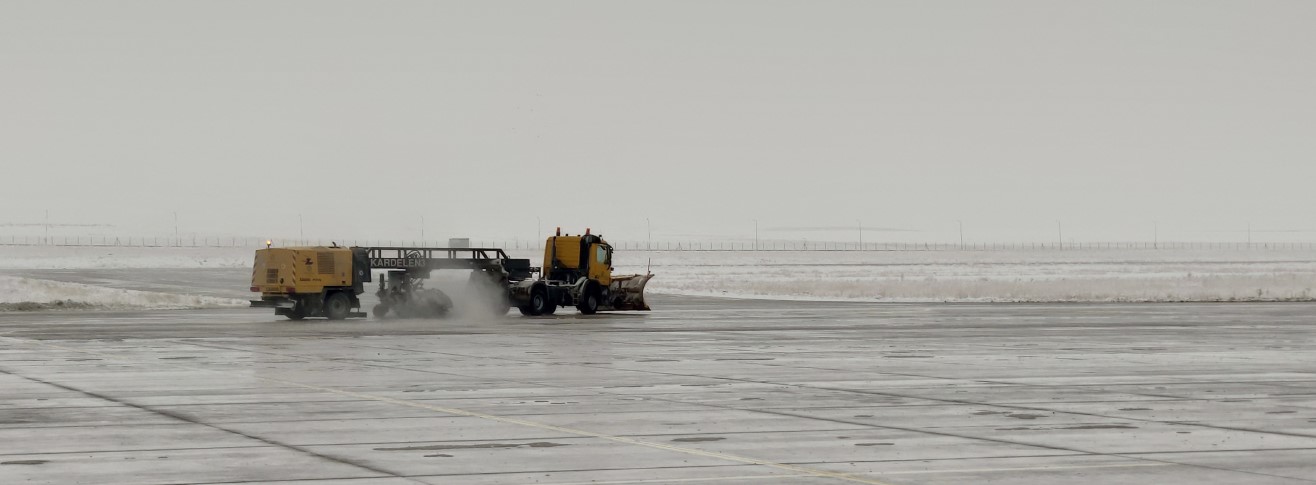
(19, 294)
(31, 294)
(108, 257)
(984, 276)
(890, 276)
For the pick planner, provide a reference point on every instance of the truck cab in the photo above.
(570, 258)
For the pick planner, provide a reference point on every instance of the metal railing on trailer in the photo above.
(448, 258)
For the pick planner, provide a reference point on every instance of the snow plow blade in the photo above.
(628, 292)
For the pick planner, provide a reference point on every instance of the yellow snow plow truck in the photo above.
(325, 281)
(577, 272)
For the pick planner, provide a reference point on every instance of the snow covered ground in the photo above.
(29, 293)
(1014, 276)
(108, 257)
(896, 276)
(36, 294)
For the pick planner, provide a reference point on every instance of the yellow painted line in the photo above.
(1024, 469)
(811, 472)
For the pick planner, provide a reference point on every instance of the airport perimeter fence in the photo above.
(762, 245)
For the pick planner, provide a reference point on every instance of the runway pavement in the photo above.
(697, 391)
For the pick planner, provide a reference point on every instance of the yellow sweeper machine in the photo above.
(326, 281)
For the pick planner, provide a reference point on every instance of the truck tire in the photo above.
(589, 303)
(539, 302)
(298, 311)
(379, 311)
(337, 306)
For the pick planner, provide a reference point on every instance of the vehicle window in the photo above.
(600, 254)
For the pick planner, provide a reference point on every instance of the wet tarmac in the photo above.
(697, 391)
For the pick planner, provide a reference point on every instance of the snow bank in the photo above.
(19, 294)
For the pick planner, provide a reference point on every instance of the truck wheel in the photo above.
(589, 303)
(298, 312)
(379, 311)
(336, 306)
(527, 310)
(539, 303)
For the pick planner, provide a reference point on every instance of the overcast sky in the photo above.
(1110, 116)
